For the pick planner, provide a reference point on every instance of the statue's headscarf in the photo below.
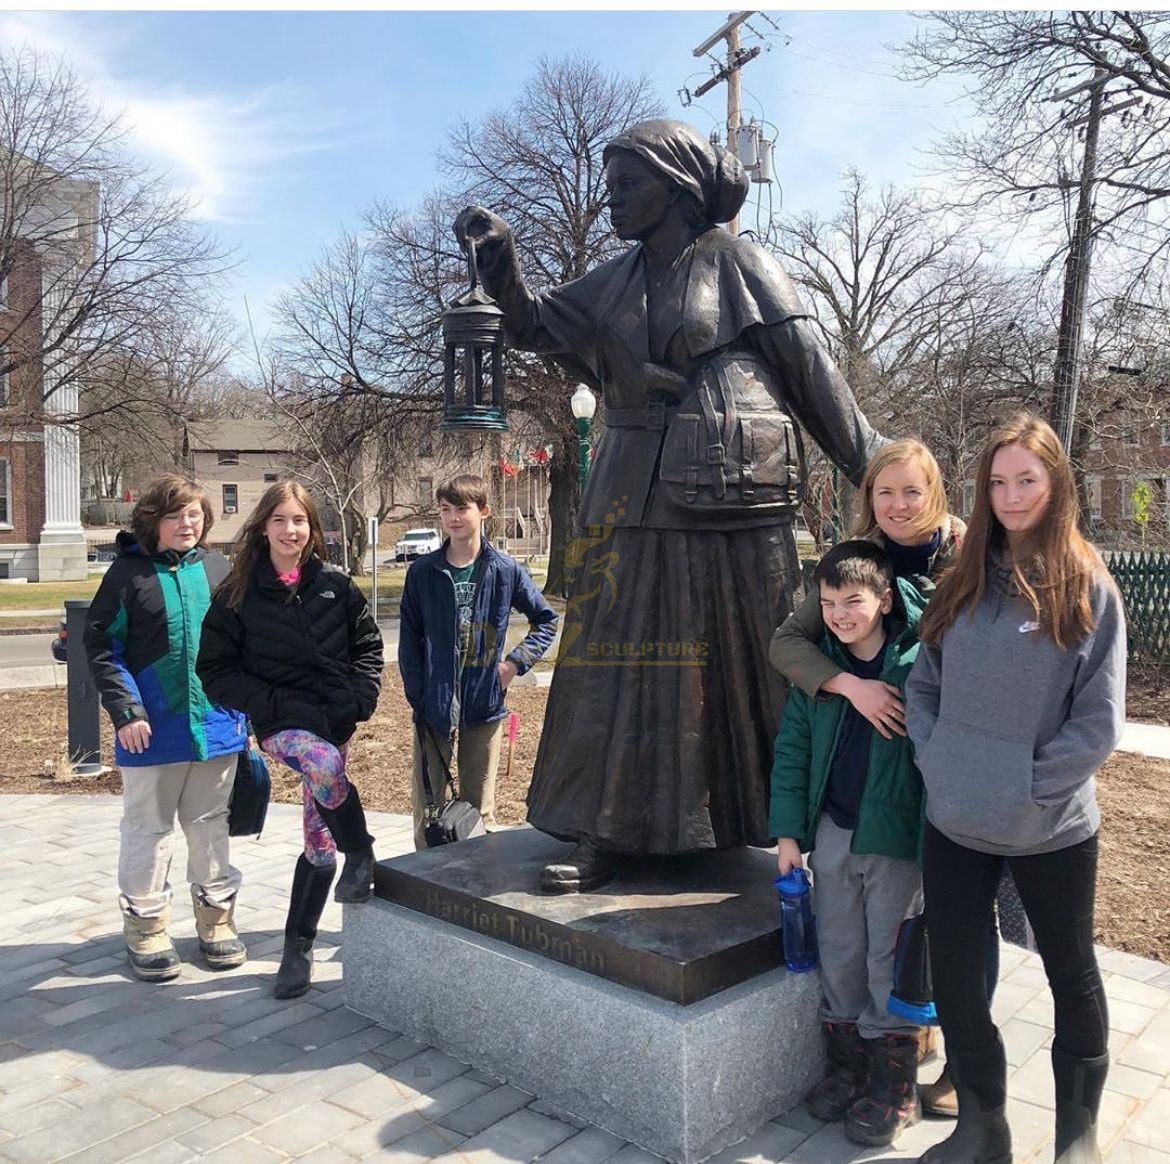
(682, 155)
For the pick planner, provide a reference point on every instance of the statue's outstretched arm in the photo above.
(818, 395)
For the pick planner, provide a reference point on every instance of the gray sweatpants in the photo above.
(860, 902)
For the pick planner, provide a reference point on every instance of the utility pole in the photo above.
(736, 59)
(1066, 374)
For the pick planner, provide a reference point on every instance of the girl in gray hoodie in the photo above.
(1016, 699)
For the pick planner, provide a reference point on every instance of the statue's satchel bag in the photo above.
(730, 447)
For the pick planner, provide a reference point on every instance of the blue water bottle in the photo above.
(797, 924)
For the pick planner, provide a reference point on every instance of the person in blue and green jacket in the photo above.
(176, 750)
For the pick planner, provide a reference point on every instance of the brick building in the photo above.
(1114, 468)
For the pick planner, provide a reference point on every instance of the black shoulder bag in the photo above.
(458, 819)
(250, 792)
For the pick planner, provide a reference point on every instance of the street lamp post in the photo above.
(584, 405)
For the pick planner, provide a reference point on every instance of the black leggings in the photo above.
(1057, 891)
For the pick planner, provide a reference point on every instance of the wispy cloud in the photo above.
(220, 145)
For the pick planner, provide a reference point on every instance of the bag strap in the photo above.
(716, 457)
(424, 731)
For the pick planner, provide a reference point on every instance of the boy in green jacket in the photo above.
(852, 799)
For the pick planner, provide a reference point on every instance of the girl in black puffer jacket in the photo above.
(290, 641)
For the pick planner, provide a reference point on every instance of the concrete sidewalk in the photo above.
(96, 1067)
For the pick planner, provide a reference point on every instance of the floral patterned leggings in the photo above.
(322, 769)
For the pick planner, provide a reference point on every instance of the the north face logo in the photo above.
(328, 594)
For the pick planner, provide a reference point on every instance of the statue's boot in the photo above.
(588, 866)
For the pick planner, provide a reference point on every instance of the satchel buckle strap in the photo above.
(747, 485)
(656, 414)
(716, 454)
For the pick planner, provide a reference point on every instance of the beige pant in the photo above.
(197, 792)
(478, 757)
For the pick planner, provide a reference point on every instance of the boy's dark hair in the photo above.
(856, 563)
(465, 489)
(165, 494)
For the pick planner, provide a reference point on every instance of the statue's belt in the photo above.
(653, 416)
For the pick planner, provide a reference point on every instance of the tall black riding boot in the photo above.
(347, 825)
(310, 892)
(982, 1135)
(1079, 1083)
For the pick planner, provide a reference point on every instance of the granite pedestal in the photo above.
(655, 1007)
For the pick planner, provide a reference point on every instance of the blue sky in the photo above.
(283, 125)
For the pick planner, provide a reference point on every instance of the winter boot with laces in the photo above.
(216, 927)
(890, 1102)
(848, 1073)
(149, 948)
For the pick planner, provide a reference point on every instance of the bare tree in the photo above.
(922, 324)
(109, 248)
(880, 273)
(988, 354)
(1024, 146)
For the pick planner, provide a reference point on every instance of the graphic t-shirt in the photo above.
(464, 601)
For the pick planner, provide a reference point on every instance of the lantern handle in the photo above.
(472, 265)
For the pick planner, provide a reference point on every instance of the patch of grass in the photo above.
(43, 595)
(391, 580)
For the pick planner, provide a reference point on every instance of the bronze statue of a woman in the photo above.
(663, 708)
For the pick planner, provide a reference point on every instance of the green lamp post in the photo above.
(584, 405)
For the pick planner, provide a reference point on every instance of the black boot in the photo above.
(347, 825)
(310, 892)
(1079, 1083)
(587, 867)
(845, 1081)
(982, 1135)
(890, 1102)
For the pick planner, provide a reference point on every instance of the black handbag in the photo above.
(458, 819)
(250, 794)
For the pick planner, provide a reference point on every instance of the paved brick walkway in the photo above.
(97, 1068)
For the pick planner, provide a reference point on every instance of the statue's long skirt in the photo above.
(661, 718)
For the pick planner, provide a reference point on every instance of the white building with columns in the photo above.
(41, 538)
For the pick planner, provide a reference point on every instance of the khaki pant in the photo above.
(478, 757)
(197, 792)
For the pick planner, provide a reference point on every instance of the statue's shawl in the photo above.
(732, 285)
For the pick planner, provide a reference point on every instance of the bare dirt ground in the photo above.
(1133, 896)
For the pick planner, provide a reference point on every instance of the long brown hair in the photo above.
(904, 451)
(1055, 577)
(252, 543)
(165, 494)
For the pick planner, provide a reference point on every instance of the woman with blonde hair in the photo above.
(290, 641)
(1015, 701)
(175, 749)
(903, 507)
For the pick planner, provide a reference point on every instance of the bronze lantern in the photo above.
(473, 351)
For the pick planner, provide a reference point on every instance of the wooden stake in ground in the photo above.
(513, 730)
